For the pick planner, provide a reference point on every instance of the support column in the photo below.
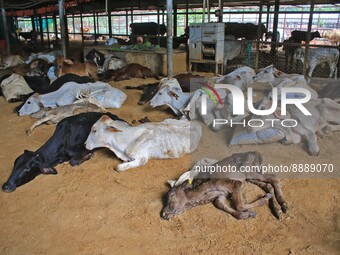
(175, 20)
(275, 25)
(5, 25)
(41, 32)
(169, 37)
(55, 27)
(62, 26)
(109, 23)
(259, 28)
(310, 22)
(48, 33)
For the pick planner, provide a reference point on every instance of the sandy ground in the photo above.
(92, 209)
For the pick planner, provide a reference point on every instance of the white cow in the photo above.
(319, 56)
(111, 41)
(241, 77)
(49, 57)
(136, 145)
(113, 63)
(183, 103)
(10, 61)
(232, 48)
(102, 93)
(279, 79)
(15, 86)
(325, 118)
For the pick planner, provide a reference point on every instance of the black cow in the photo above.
(150, 90)
(95, 56)
(244, 30)
(298, 36)
(147, 28)
(66, 144)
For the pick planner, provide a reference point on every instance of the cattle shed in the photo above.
(154, 65)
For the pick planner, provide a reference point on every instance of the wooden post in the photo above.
(81, 25)
(73, 26)
(94, 22)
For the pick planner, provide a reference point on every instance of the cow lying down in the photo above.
(104, 94)
(197, 188)
(135, 145)
(66, 144)
(57, 114)
(325, 118)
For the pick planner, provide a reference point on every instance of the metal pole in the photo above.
(48, 33)
(4, 21)
(304, 71)
(55, 27)
(220, 7)
(41, 31)
(81, 26)
(175, 20)
(169, 37)
(62, 26)
(275, 25)
(109, 24)
(73, 26)
(259, 27)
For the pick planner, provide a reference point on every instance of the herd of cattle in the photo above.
(76, 95)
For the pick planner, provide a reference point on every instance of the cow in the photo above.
(196, 187)
(325, 118)
(232, 48)
(186, 81)
(66, 144)
(248, 31)
(333, 36)
(136, 145)
(279, 79)
(40, 84)
(65, 66)
(147, 28)
(289, 48)
(108, 96)
(10, 61)
(38, 67)
(55, 115)
(50, 57)
(129, 71)
(298, 36)
(320, 56)
(105, 62)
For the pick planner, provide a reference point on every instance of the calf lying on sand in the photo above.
(207, 187)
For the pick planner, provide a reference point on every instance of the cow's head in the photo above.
(99, 132)
(26, 167)
(30, 106)
(168, 91)
(299, 54)
(268, 74)
(148, 93)
(177, 201)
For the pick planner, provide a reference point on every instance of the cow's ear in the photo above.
(48, 170)
(171, 183)
(113, 129)
(68, 61)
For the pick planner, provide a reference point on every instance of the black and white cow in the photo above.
(66, 144)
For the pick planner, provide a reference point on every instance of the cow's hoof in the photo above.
(28, 132)
(284, 207)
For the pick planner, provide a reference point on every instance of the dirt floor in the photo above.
(92, 209)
